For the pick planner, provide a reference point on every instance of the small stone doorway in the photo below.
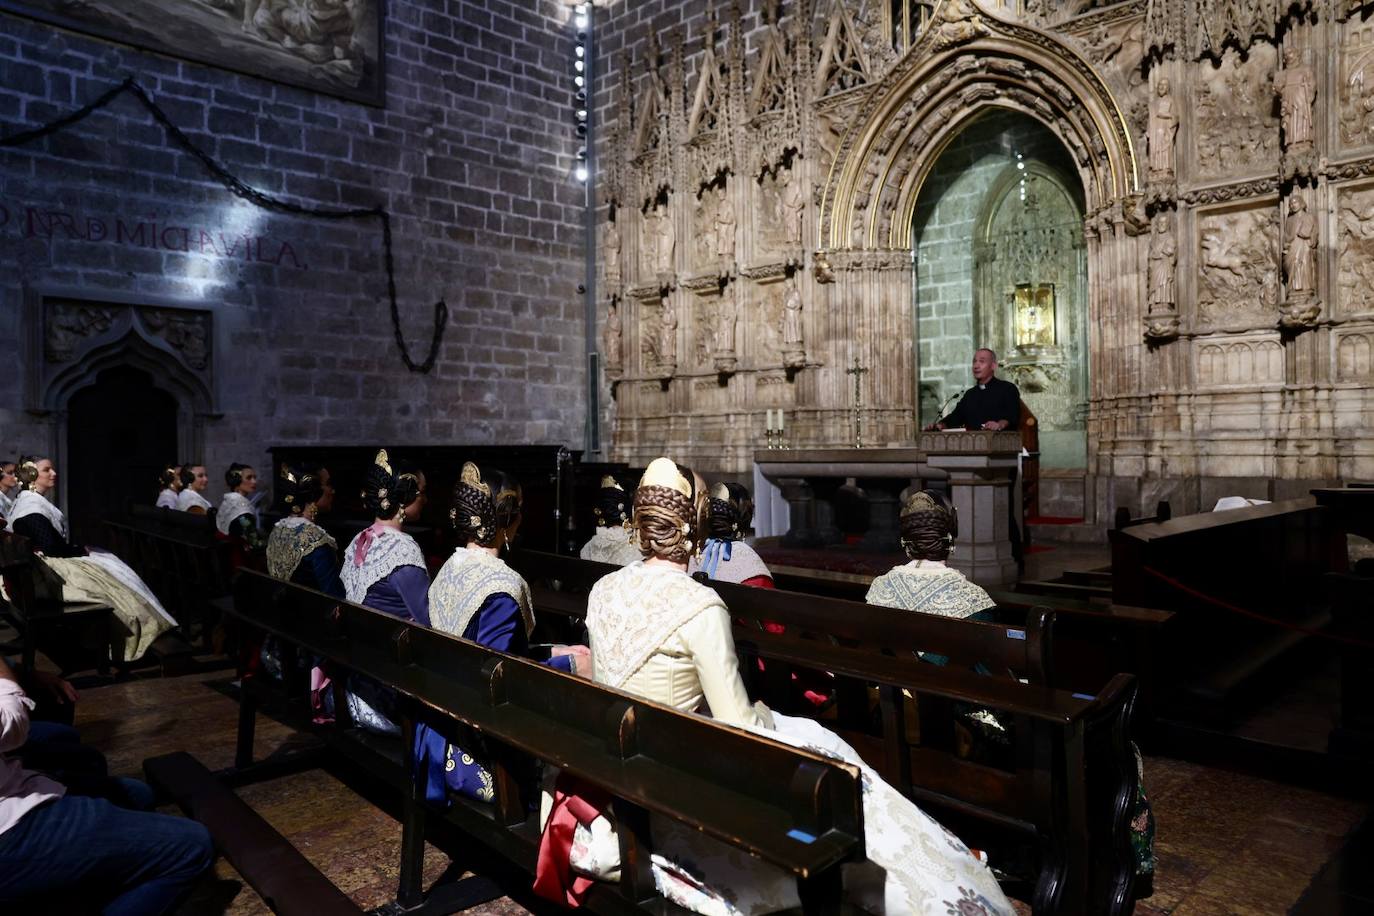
(121, 432)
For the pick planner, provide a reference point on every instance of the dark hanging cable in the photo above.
(253, 195)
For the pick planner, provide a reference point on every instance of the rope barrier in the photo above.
(1273, 621)
(245, 191)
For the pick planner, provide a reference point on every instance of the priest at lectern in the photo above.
(990, 404)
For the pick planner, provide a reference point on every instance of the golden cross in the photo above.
(858, 372)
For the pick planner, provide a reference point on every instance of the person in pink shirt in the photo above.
(60, 851)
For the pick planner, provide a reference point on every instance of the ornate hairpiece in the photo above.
(721, 492)
(382, 462)
(663, 472)
(921, 501)
(610, 483)
(472, 477)
(286, 474)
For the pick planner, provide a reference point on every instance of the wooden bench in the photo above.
(285, 879)
(1352, 611)
(797, 810)
(179, 557)
(35, 608)
(1065, 746)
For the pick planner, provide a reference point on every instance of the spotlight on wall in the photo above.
(582, 97)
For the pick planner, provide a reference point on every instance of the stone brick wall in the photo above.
(472, 153)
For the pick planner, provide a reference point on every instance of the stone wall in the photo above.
(472, 154)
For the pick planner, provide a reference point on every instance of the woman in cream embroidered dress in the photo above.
(384, 569)
(926, 584)
(656, 632)
(611, 542)
(478, 597)
(139, 617)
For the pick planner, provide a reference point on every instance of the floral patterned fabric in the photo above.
(291, 540)
(611, 545)
(929, 587)
(468, 578)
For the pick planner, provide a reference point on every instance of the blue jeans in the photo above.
(56, 750)
(75, 853)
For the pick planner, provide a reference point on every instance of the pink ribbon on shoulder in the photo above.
(365, 540)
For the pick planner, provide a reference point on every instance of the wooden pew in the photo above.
(797, 810)
(1352, 610)
(1263, 562)
(1065, 745)
(35, 608)
(179, 557)
(284, 878)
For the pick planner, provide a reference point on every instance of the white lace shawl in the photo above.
(167, 499)
(744, 563)
(469, 577)
(389, 551)
(611, 545)
(30, 503)
(189, 499)
(931, 588)
(7, 504)
(633, 611)
(231, 507)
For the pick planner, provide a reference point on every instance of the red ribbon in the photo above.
(574, 802)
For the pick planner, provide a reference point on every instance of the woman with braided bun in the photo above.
(480, 598)
(169, 482)
(194, 481)
(138, 617)
(657, 632)
(237, 520)
(725, 557)
(928, 528)
(611, 542)
(384, 569)
(298, 549)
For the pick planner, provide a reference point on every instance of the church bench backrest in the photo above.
(1024, 650)
(35, 602)
(178, 555)
(793, 808)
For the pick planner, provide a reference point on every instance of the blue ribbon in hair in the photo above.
(715, 551)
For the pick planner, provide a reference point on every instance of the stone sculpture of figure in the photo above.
(793, 346)
(727, 319)
(667, 239)
(667, 333)
(725, 225)
(1163, 252)
(790, 207)
(1299, 249)
(612, 253)
(611, 336)
(1163, 129)
(1296, 87)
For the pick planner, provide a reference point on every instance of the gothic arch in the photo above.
(966, 63)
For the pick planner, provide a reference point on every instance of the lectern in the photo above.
(981, 466)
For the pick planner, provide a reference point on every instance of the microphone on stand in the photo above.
(944, 408)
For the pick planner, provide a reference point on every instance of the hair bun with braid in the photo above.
(386, 493)
(669, 515)
(486, 501)
(929, 525)
(27, 470)
(729, 512)
(299, 488)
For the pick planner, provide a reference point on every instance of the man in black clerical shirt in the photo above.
(990, 404)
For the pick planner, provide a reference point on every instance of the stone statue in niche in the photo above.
(793, 346)
(791, 204)
(727, 318)
(611, 249)
(611, 345)
(703, 229)
(724, 225)
(1300, 308)
(1296, 88)
(667, 336)
(1163, 257)
(665, 240)
(1163, 130)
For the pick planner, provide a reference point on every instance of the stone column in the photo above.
(980, 467)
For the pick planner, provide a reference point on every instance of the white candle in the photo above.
(770, 419)
(779, 419)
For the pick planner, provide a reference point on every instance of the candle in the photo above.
(779, 419)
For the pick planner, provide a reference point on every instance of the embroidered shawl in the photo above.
(167, 499)
(188, 499)
(292, 540)
(468, 579)
(633, 611)
(611, 545)
(737, 562)
(231, 507)
(390, 550)
(7, 504)
(30, 503)
(930, 589)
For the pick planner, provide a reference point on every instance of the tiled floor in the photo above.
(1227, 844)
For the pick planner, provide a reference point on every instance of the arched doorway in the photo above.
(998, 238)
(121, 431)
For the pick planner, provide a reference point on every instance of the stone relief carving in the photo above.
(842, 61)
(1161, 322)
(793, 343)
(69, 323)
(727, 318)
(1299, 264)
(660, 241)
(1296, 87)
(667, 337)
(961, 23)
(187, 333)
(1240, 363)
(725, 225)
(1354, 356)
(1237, 132)
(611, 344)
(1163, 130)
(610, 248)
(1238, 273)
(790, 206)
(1355, 251)
(1355, 92)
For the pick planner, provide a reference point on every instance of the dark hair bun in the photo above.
(234, 476)
(612, 504)
(928, 525)
(486, 501)
(188, 474)
(169, 475)
(386, 493)
(299, 488)
(730, 511)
